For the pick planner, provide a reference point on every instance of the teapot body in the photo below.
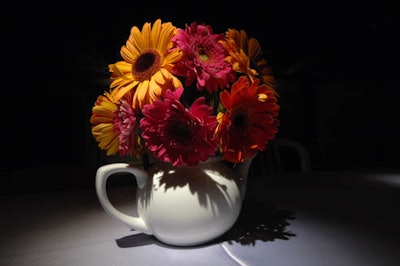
(182, 206)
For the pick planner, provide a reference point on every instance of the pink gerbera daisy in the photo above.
(176, 134)
(203, 58)
(114, 125)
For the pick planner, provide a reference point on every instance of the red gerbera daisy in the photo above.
(250, 121)
(176, 134)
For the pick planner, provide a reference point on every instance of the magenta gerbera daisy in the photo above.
(176, 134)
(203, 58)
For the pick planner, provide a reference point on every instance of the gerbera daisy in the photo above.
(176, 134)
(148, 61)
(250, 120)
(114, 125)
(203, 61)
(246, 57)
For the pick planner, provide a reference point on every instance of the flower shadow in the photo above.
(260, 221)
(209, 191)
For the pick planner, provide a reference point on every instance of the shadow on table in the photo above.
(257, 221)
(136, 240)
(260, 221)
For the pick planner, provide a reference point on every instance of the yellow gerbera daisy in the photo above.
(147, 64)
(245, 53)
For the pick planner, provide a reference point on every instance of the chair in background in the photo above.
(284, 156)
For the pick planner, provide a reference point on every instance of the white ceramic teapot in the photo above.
(181, 206)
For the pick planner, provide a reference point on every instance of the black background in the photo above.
(336, 66)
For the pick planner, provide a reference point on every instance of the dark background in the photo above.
(336, 66)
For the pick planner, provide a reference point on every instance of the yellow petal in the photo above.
(126, 53)
(156, 90)
(159, 77)
(155, 33)
(140, 97)
(136, 39)
(119, 93)
(146, 35)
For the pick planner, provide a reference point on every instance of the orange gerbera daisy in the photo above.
(245, 56)
(250, 120)
(148, 61)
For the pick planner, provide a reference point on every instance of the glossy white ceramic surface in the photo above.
(182, 206)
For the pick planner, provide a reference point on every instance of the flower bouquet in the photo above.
(182, 95)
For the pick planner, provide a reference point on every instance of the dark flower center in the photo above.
(239, 121)
(181, 132)
(146, 65)
(144, 62)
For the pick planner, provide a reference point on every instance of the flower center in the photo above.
(239, 121)
(204, 57)
(201, 53)
(146, 65)
(181, 132)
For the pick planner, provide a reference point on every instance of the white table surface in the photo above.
(284, 223)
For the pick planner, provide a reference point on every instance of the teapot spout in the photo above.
(242, 169)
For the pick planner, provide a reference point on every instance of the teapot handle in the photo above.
(102, 174)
